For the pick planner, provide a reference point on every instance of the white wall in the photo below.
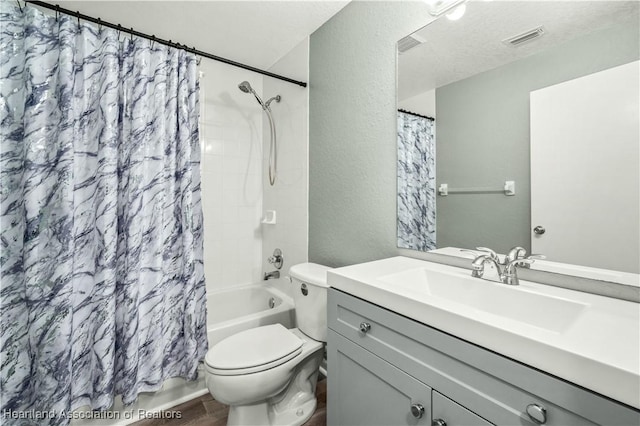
(231, 137)
(289, 196)
(423, 103)
(235, 188)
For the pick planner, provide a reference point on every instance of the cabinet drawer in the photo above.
(494, 387)
(363, 389)
(446, 412)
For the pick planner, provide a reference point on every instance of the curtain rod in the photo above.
(416, 114)
(170, 43)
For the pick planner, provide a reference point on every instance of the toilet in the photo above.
(267, 375)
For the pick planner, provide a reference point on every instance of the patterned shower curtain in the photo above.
(416, 182)
(102, 286)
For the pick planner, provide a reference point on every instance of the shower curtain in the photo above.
(102, 284)
(416, 182)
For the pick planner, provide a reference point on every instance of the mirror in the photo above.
(471, 89)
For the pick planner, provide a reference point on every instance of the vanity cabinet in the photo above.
(386, 369)
(376, 392)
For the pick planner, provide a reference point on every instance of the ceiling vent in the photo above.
(524, 37)
(409, 42)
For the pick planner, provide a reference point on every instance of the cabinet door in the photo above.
(365, 390)
(448, 413)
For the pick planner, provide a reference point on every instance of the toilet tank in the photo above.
(310, 297)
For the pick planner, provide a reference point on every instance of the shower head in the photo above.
(245, 87)
(273, 150)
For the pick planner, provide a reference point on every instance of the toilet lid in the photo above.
(261, 346)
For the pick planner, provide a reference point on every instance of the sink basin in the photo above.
(516, 303)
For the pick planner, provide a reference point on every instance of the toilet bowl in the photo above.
(267, 375)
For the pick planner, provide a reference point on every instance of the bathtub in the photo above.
(229, 311)
(233, 310)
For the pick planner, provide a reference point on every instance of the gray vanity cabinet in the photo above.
(376, 392)
(386, 369)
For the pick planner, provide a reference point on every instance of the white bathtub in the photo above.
(233, 310)
(229, 311)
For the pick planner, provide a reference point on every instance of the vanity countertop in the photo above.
(596, 345)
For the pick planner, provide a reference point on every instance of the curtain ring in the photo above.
(119, 29)
(57, 12)
(198, 58)
(99, 26)
(131, 33)
(78, 16)
(153, 41)
(19, 5)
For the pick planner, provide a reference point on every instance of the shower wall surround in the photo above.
(231, 136)
(289, 195)
(235, 189)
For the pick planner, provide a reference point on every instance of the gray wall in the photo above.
(483, 140)
(352, 131)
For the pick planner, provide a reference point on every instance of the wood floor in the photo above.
(206, 411)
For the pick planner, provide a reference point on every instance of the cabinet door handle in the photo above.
(439, 422)
(365, 327)
(537, 413)
(417, 410)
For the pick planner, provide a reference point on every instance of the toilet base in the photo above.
(254, 415)
(291, 407)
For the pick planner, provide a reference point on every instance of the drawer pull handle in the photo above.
(417, 410)
(537, 413)
(365, 327)
(439, 422)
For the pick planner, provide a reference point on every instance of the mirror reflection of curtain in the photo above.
(416, 182)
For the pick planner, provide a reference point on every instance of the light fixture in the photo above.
(439, 7)
(457, 13)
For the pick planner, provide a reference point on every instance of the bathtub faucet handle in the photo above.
(276, 260)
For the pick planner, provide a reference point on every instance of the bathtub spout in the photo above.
(272, 274)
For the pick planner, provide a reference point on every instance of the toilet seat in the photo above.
(254, 350)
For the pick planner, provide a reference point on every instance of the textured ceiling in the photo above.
(459, 49)
(256, 33)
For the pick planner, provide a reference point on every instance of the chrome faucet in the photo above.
(478, 267)
(508, 275)
(270, 275)
(516, 253)
(276, 260)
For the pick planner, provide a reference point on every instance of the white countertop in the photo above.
(600, 350)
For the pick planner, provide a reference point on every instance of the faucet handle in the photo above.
(516, 253)
(532, 257)
(510, 275)
(473, 252)
(490, 252)
(277, 259)
(511, 265)
(536, 256)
